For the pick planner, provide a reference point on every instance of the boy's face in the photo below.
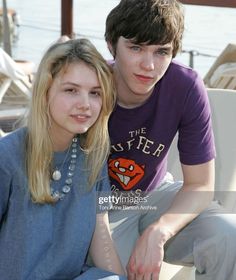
(138, 67)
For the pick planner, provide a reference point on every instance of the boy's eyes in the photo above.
(135, 48)
(162, 52)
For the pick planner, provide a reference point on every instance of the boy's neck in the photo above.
(130, 104)
(128, 97)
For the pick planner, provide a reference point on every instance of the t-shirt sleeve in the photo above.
(196, 140)
(103, 190)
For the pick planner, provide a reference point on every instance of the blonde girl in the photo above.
(53, 173)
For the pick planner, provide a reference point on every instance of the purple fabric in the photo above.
(141, 137)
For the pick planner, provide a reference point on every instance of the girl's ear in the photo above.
(110, 48)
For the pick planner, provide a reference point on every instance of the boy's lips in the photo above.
(143, 78)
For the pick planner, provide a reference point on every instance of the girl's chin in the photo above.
(82, 130)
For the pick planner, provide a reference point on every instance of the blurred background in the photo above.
(38, 24)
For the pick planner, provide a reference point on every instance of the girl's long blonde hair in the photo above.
(95, 141)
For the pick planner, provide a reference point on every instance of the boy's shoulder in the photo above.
(180, 70)
(180, 76)
(181, 79)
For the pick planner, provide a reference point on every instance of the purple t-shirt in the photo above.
(141, 137)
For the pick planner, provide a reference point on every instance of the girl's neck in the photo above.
(62, 146)
(61, 143)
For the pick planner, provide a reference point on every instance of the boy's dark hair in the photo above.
(146, 21)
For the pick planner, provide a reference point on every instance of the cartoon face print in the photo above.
(126, 172)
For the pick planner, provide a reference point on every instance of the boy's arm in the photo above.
(195, 195)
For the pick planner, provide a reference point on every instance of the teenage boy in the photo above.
(158, 98)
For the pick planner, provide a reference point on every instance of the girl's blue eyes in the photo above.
(96, 93)
(70, 90)
(75, 92)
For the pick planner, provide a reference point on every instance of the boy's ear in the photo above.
(110, 48)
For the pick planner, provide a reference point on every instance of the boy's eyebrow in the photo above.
(168, 47)
(165, 48)
(127, 41)
(130, 41)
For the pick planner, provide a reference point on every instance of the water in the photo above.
(208, 29)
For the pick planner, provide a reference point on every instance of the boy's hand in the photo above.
(146, 259)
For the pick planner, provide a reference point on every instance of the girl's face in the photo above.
(74, 101)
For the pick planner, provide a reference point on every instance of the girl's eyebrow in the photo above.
(70, 83)
(77, 85)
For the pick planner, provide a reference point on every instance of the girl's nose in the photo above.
(83, 101)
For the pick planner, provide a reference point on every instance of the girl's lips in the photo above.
(80, 118)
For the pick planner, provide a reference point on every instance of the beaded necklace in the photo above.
(56, 174)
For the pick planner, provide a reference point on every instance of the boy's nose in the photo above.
(147, 62)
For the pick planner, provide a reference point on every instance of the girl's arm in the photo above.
(102, 249)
